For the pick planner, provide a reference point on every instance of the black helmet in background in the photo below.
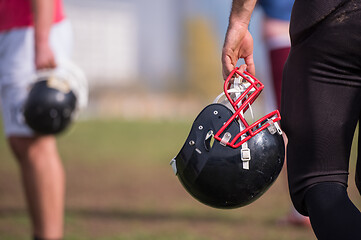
(55, 98)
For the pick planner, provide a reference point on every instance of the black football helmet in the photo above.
(54, 98)
(227, 162)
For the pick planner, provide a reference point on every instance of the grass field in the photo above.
(120, 186)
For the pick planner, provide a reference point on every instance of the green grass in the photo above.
(120, 186)
(135, 142)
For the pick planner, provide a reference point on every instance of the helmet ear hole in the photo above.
(209, 140)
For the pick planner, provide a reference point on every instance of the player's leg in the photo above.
(318, 153)
(320, 132)
(43, 181)
(332, 213)
(321, 102)
(40, 166)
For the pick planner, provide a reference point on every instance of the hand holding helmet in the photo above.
(227, 162)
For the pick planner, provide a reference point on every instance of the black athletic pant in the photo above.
(321, 105)
(333, 216)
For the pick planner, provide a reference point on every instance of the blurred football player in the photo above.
(276, 36)
(34, 35)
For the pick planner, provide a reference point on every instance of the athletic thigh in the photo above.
(321, 98)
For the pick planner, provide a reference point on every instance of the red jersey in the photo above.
(18, 13)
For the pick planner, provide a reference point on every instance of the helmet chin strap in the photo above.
(237, 88)
(245, 151)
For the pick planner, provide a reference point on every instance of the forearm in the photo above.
(43, 19)
(241, 13)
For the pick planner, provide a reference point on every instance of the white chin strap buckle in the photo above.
(274, 127)
(245, 155)
(225, 139)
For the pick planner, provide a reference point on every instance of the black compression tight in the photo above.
(332, 213)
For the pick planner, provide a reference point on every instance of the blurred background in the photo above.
(152, 67)
(153, 58)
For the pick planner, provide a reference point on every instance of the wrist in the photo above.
(41, 38)
(238, 25)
